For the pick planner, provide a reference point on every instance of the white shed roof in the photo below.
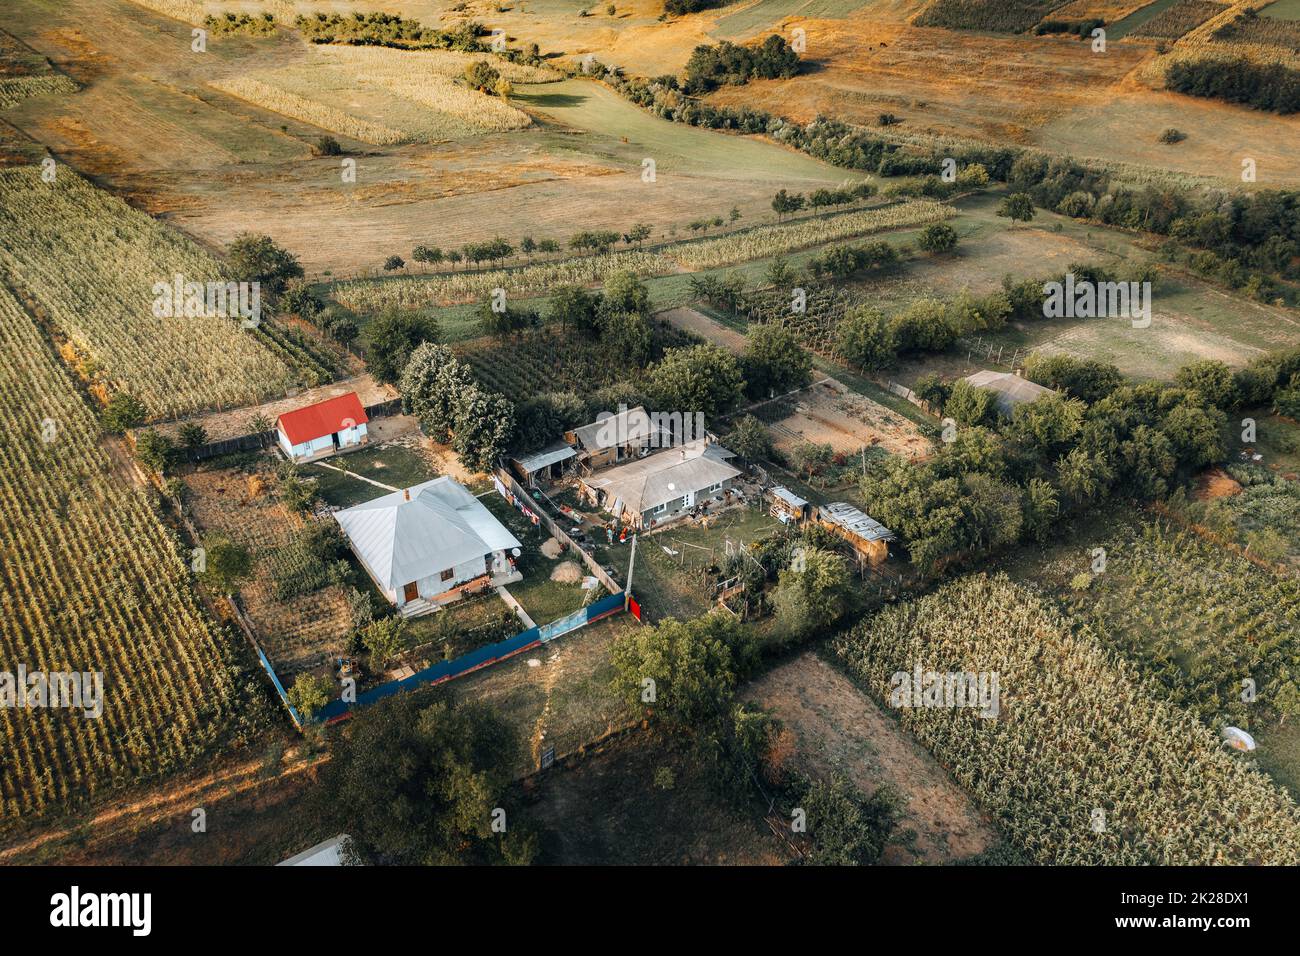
(558, 451)
(1009, 389)
(421, 531)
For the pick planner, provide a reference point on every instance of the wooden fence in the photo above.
(507, 480)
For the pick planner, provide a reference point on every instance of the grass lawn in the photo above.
(644, 800)
(564, 699)
(395, 465)
(676, 147)
(544, 600)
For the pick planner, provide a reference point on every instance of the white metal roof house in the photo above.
(663, 486)
(430, 544)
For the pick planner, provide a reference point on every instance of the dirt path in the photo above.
(839, 728)
(689, 319)
(116, 825)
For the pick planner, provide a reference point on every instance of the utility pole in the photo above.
(631, 564)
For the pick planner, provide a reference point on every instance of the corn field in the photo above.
(1084, 765)
(88, 262)
(91, 581)
(15, 89)
(783, 238)
(1199, 620)
(365, 295)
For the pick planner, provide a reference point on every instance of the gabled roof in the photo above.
(421, 531)
(1009, 389)
(629, 425)
(666, 476)
(324, 418)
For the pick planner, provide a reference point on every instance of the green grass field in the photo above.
(675, 147)
(393, 465)
(1283, 10)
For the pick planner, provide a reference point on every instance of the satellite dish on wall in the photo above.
(1238, 739)
(515, 551)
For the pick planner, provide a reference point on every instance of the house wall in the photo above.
(678, 506)
(348, 438)
(604, 457)
(433, 586)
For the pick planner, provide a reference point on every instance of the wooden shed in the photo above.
(867, 536)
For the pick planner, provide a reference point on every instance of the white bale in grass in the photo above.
(1238, 739)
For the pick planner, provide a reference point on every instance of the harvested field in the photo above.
(938, 81)
(384, 96)
(1111, 11)
(829, 413)
(839, 729)
(999, 16)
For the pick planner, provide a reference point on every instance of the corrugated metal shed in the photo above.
(855, 521)
(557, 452)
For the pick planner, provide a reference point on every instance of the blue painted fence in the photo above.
(338, 710)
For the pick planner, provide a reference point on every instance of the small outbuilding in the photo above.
(317, 431)
(787, 507)
(550, 463)
(867, 536)
(1009, 389)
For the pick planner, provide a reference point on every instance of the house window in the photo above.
(717, 487)
(448, 574)
(660, 509)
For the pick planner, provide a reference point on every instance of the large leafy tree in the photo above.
(774, 361)
(698, 378)
(256, 258)
(685, 671)
(416, 784)
(393, 337)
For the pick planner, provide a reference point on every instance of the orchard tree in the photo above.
(697, 378)
(774, 361)
(864, 339)
(1017, 207)
(938, 237)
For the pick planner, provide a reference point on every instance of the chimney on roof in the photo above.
(406, 492)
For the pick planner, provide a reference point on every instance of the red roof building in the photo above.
(323, 428)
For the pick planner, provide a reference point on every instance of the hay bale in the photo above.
(552, 548)
(566, 572)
